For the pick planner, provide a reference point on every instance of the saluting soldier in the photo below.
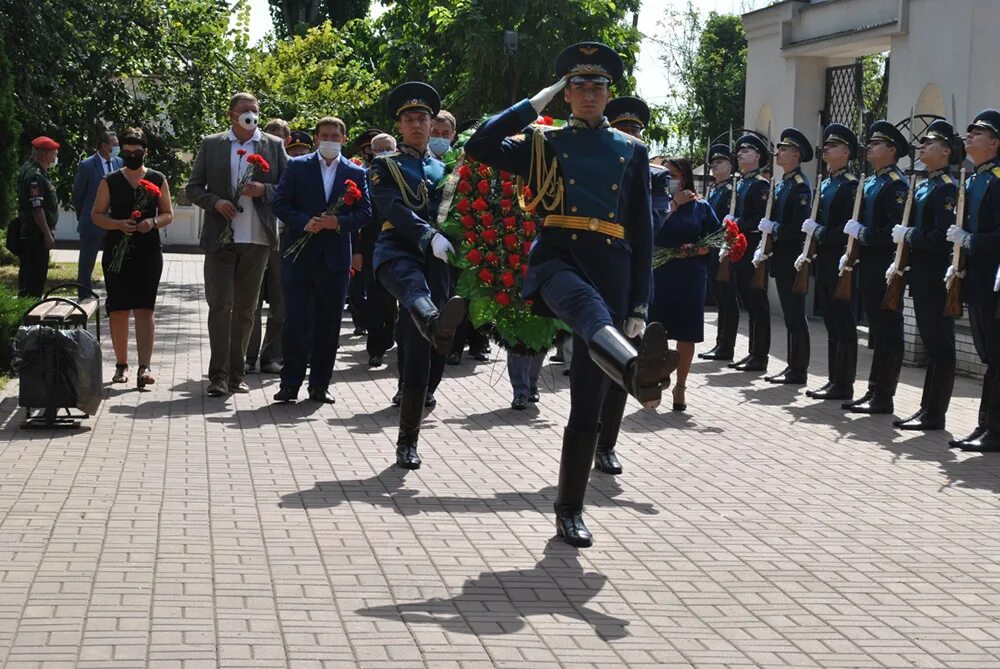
(591, 264)
(752, 156)
(792, 196)
(38, 212)
(630, 115)
(884, 201)
(840, 146)
(980, 241)
(720, 163)
(411, 255)
(932, 213)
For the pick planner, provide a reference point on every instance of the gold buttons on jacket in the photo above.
(565, 155)
(611, 214)
(574, 209)
(593, 224)
(573, 236)
(621, 159)
(614, 186)
(572, 181)
(608, 240)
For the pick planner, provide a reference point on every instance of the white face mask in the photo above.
(439, 145)
(329, 150)
(248, 120)
(115, 150)
(55, 161)
(672, 187)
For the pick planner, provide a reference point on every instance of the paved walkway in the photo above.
(760, 529)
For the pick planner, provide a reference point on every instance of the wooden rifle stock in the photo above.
(953, 303)
(846, 282)
(897, 282)
(725, 271)
(760, 271)
(801, 285)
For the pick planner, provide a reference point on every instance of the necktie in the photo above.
(108, 162)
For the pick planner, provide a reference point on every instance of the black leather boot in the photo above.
(643, 373)
(439, 326)
(727, 345)
(797, 371)
(760, 347)
(739, 364)
(872, 375)
(606, 460)
(845, 368)
(574, 474)
(411, 412)
(983, 416)
(713, 353)
(988, 439)
(885, 381)
(938, 385)
(831, 375)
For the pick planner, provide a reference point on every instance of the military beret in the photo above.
(887, 132)
(837, 133)
(44, 143)
(301, 138)
(720, 151)
(627, 109)
(989, 119)
(413, 96)
(589, 61)
(794, 138)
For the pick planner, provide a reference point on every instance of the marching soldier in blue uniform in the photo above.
(411, 255)
(840, 146)
(980, 241)
(720, 161)
(932, 213)
(752, 155)
(792, 198)
(591, 264)
(883, 204)
(630, 115)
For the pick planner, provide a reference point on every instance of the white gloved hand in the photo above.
(758, 256)
(853, 228)
(809, 226)
(799, 262)
(950, 272)
(842, 263)
(441, 247)
(729, 218)
(634, 327)
(899, 233)
(996, 282)
(766, 225)
(890, 271)
(723, 253)
(544, 96)
(956, 234)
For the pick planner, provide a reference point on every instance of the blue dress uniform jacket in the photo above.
(792, 198)
(409, 208)
(884, 201)
(932, 214)
(595, 186)
(982, 220)
(836, 204)
(719, 197)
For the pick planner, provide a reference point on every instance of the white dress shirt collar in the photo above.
(328, 172)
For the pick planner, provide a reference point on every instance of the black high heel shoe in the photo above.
(682, 404)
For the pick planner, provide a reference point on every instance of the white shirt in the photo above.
(328, 172)
(247, 228)
(105, 164)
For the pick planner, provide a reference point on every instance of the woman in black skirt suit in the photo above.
(133, 214)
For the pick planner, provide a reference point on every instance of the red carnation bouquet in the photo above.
(349, 198)
(147, 195)
(255, 162)
(493, 235)
(727, 237)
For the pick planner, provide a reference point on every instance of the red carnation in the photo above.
(149, 187)
(490, 236)
(464, 172)
(475, 257)
(529, 228)
(464, 187)
(514, 260)
(486, 219)
(547, 120)
(241, 152)
(505, 204)
(526, 192)
(738, 249)
(510, 242)
(468, 221)
(509, 223)
(483, 186)
(491, 258)
(527, 248)
(471, 237)
(485, 275)
(505, 176)
(507, 279)
(259, 161)
(484, 170)
(479, 204)
(137, 214)
(508, 188)
(503, 299)
(352, 194)
(462, 206)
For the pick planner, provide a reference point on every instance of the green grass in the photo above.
(59, 272)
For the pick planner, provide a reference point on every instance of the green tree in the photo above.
(295, 17)
(10, 131)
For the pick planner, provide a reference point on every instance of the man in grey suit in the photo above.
(89, 174)
(234, 269)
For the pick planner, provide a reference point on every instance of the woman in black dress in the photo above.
(132, 204)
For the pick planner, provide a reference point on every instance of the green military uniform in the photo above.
(34, 190)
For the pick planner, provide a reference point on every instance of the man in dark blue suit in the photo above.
(315, 277)
(88, 177)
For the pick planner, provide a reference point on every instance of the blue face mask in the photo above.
(439, 145)
(115, 150)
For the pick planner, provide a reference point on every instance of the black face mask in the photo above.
(133, 162)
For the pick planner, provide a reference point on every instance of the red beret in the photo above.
(44, 143)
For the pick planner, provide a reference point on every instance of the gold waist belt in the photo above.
(584, 223)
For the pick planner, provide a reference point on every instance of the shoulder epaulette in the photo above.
(851, 177)
(760, 177)
(894, 175)
(627, 137)
(799, 179)
(539, 127)
(996, 172)
(946, 178)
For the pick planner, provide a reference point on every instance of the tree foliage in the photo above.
(295, 17)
